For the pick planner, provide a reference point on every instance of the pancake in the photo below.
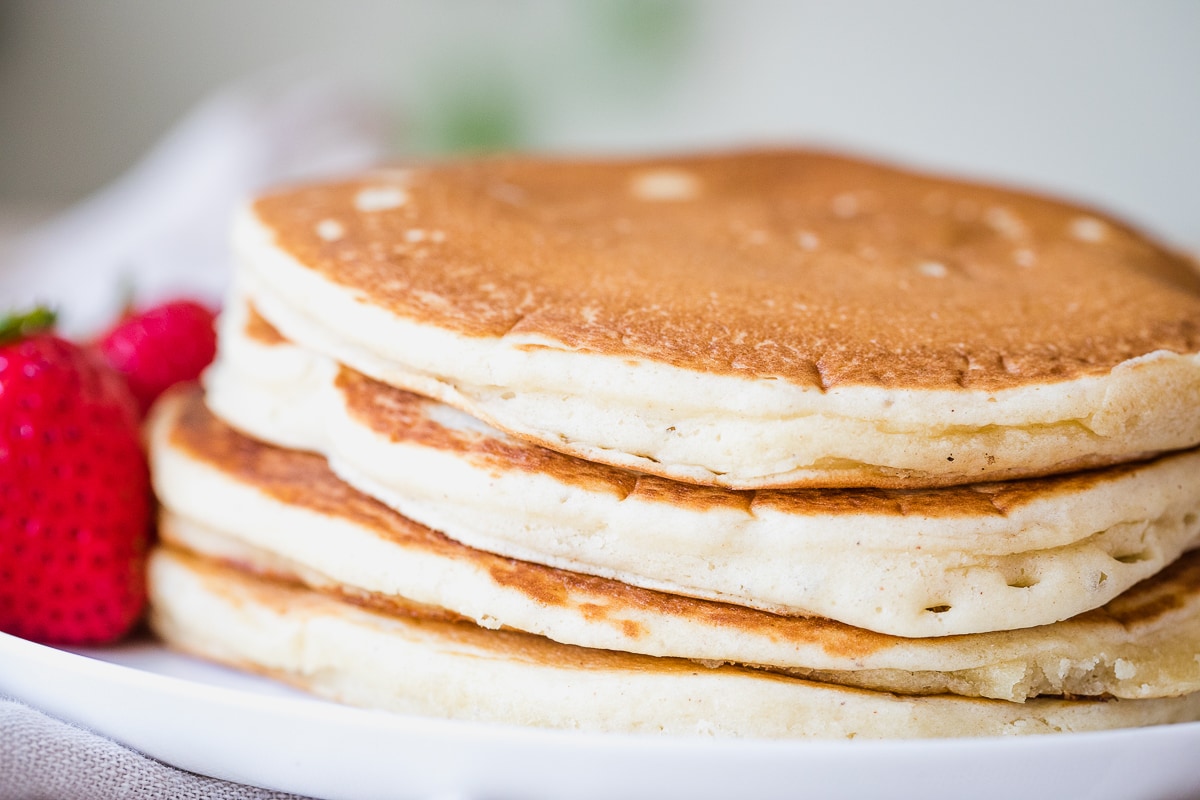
(283, 513)
(433, 667)
(906, 562)
(748, 319)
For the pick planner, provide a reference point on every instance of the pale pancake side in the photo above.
(283, 513)
(941, 332)
(429, 667)
(911, 563)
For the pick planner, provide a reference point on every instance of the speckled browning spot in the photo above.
(380, 198)
(808, 241)
(664, 184)
(330, 230)
(845, 205)
(932, 269)
(1088, 229)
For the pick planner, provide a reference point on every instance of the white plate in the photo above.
(238, 727)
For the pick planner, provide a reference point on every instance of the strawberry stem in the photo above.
(26, 323)
(127, 293)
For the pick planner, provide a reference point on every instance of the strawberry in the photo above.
(159, 347)
(75, 497)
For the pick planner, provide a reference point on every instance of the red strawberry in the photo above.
(160, 347)
(74, 492)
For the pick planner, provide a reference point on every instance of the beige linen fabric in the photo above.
(43, 757)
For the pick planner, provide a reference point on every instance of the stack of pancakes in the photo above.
(758, 443)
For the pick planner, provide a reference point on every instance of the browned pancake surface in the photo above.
(805, 266)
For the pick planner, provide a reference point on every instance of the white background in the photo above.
(1098, 100)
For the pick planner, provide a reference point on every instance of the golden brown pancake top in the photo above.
(304, 480)
(800, 265)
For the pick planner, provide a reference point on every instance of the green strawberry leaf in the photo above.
(25, 323)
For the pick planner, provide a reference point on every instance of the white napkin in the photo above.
(162, 227)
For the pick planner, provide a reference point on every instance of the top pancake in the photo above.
(744, 288)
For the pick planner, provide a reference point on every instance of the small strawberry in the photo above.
(159, 347)
(74, 491)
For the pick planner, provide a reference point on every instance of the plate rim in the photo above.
(449, 743)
